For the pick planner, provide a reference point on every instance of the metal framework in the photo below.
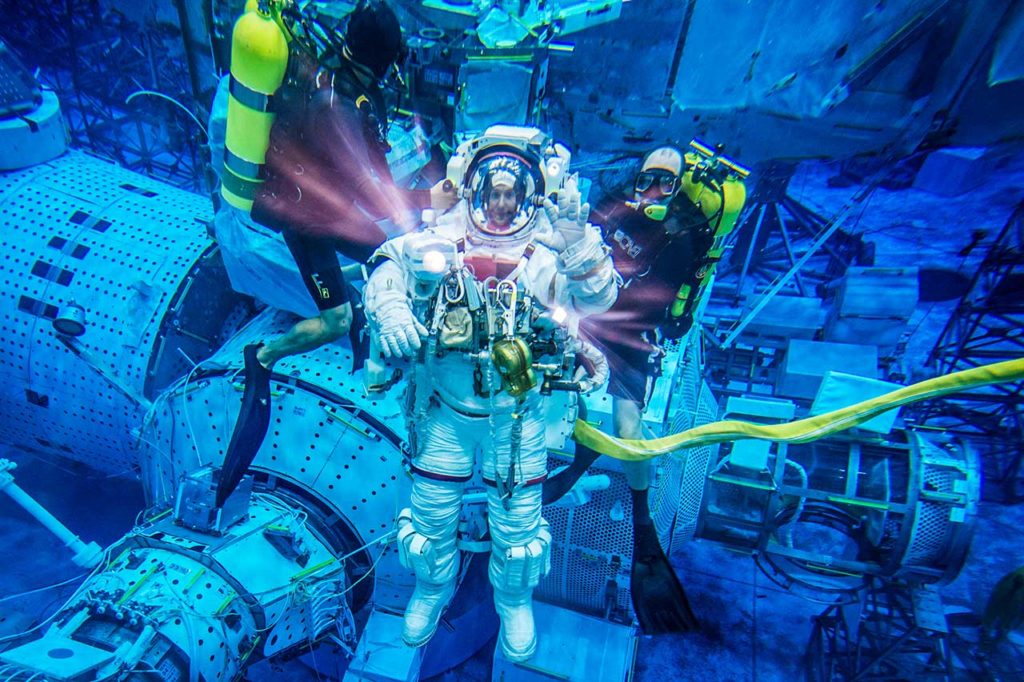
(776, 232)
(988, 326)
(95, 59)
(894, 632)
(781, 247)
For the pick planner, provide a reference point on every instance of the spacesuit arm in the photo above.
(582, 276)
(386, 285)
(386, 300)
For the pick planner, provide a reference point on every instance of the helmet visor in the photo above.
(502, 191)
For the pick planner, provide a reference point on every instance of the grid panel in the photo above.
(81, 229)
(931, 526)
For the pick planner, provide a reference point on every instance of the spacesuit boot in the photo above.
(434, 561)
(428, 602)
(518, 635)
(514, 572)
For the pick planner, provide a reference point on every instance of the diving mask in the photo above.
(657, 183)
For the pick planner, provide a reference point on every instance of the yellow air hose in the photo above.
(801, 430)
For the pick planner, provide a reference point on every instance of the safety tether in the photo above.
(801, 430)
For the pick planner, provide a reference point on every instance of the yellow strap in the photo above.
(801, 430)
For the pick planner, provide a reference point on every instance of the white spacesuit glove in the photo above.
(596, 375)
(568, 216)
(400, 331)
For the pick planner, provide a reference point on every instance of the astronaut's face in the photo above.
(501, 194)
(502, 205)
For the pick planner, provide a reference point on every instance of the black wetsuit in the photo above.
(327, 177)
(653, 265)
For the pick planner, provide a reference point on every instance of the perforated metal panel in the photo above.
(121, 246)
(931, 521)
(680, 491)
(949, 490)
(694, 470)
(593, 543)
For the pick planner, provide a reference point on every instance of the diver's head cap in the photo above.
(657, 182)
(374, 36)
(664, 158)
(659, 174)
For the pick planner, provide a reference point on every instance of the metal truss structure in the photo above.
(988, 326)
(125, 89)
(894, 632)
(776, 233)
(782, 247)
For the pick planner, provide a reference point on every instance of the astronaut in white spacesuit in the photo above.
(485, 303)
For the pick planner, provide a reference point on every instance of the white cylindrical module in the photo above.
(132, 252)
(189, 606)
(153, 385)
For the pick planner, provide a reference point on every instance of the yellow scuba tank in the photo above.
(682, 296)
(715, 185)
(259, 59)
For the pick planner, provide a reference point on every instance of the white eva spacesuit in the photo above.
(485, 303)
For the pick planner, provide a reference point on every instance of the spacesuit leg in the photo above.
(427, 532)
(520, 541)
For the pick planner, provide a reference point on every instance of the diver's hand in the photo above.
(407, 221)
(442, 196)
(677, 327)
(568, 216)
(400, 331)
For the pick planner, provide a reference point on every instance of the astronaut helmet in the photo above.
(503, 186)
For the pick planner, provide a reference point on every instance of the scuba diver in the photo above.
(474, 301)
(325, 183)
(1004, 611)
(665, 244)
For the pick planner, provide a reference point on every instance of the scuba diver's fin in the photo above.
(659, 601)
(555, 487)
(251, 426)
(358, 332)
(558, 485)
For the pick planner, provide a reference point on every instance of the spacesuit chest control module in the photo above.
(470, 280)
